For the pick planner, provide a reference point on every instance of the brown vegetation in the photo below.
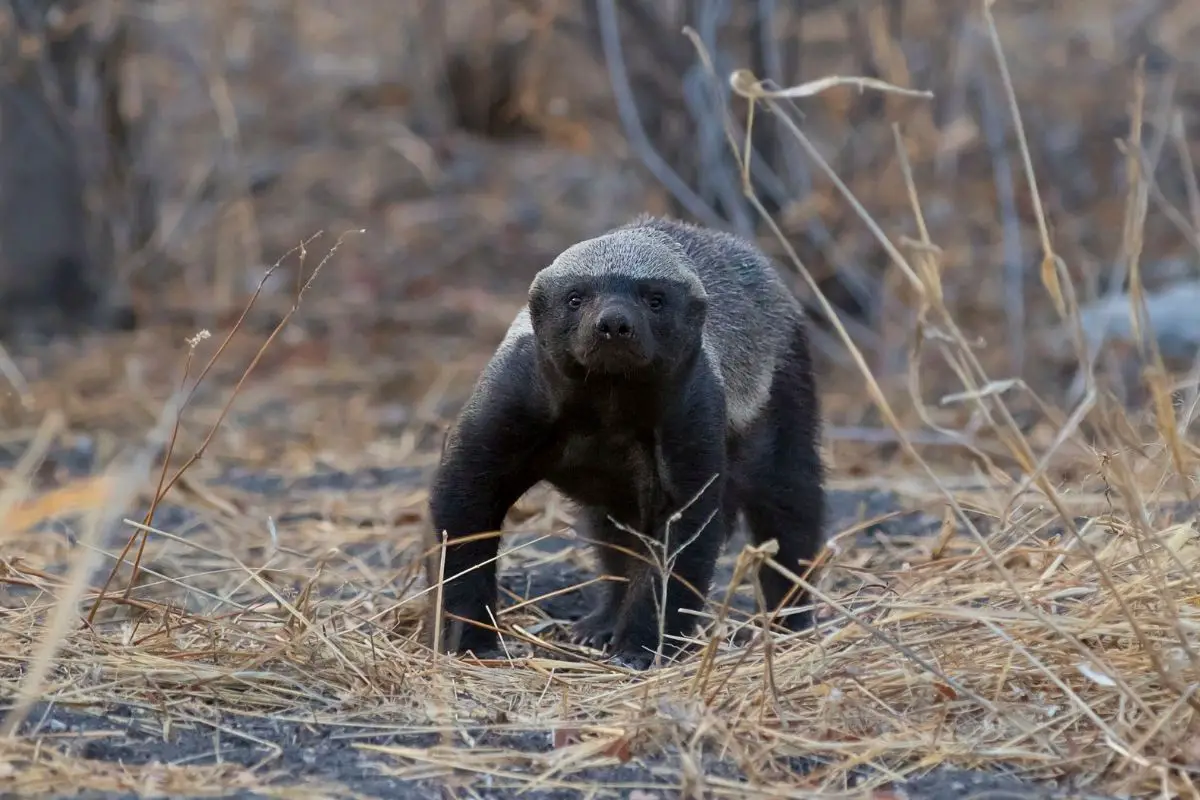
(450, 149)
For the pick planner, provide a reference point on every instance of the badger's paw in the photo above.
(595, 629)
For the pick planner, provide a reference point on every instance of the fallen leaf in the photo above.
(945, 691)
(619, 749)
(565, 736)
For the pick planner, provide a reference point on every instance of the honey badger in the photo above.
(659, 369)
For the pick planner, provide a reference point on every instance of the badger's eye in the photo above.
(574, 301)
(655, 301)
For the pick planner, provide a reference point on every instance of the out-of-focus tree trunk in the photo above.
(71, 204)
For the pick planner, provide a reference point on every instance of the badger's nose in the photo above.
(614, 321)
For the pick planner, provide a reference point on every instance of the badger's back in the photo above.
(752, 315)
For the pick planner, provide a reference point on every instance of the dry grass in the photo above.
(1052, 626)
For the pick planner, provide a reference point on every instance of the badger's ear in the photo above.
(537, 300)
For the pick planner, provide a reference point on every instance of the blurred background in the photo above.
(157, 156)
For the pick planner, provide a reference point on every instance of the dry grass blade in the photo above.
(17, 484)
(988, 396)
(744, 83)
(126, 481)
(1050, 262)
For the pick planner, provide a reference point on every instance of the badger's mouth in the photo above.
(611, 355)
(612, 338)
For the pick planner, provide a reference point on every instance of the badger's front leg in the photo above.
(487, 463)
(689, 531)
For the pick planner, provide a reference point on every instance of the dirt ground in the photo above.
(1010, 606)
(306, 740)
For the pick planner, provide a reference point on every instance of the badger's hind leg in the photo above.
(780, 482)
(596, 628)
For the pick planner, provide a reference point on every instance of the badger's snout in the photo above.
(613, 320)
(615, 339)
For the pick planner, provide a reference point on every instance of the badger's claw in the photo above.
(594, 630)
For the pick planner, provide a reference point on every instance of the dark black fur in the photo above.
(631, 426)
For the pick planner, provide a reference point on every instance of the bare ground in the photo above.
(313, 752)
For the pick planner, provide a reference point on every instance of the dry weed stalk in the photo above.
(987, 397)
(163, 488)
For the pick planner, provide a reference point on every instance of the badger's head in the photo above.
(626, 303)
